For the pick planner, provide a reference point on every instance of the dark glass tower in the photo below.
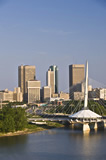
(55, 69)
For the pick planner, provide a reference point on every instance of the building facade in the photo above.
(11, 96)
(50, 81)
(33, 91)
(76, 78)
(55, 69)
(64, 96)
(25, 73)
(46, 93)
(76, 74)
(97, 93)
(102, 93)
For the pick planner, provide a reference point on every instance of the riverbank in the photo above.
(32, 128)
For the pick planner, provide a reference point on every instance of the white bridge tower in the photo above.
(85, 117)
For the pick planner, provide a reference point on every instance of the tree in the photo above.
(8, 124)
(20, 119)
(12, 119)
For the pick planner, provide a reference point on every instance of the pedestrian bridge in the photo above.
(48, 119)
(65, 120)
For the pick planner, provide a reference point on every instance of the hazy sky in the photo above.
(46, 32)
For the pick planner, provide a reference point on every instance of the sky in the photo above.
(47, 32)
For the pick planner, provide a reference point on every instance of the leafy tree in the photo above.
(12, 119)
(8, 124)
(20, 119)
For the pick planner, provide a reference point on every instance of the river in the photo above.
(55, 144)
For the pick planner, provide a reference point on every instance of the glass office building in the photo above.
(55, 69)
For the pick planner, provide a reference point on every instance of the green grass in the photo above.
(48, 125)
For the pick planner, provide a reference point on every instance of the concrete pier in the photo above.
(95, 126)
(86, 127)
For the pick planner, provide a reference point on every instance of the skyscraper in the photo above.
(25, 73)
(55, 69)
(76, 76)
(50, 80)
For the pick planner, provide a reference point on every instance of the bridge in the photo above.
(85, 118)
(63, 119)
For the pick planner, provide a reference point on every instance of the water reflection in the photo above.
(13, 141)
(54, 144)
(91, 144)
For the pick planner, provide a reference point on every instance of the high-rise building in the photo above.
(33, 91)
(46, 93)
(76, 76)
(50, 81)
(55, 69)
(25, 73)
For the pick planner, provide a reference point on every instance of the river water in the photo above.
(55, 144)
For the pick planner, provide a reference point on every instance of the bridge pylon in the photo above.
(86, 118)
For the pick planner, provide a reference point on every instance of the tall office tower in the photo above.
(46, 93)
(33, 92)
(55, 69)
(50, 80)
(76, 76)
(25, 73)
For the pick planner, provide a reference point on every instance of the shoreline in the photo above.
(32, 129)
(27, 131)
(19, 133)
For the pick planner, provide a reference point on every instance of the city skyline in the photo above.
(94, 83)
(52, 103)
(54, 32)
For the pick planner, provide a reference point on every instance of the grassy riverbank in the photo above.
(32, 128)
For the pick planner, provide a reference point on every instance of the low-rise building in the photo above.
(98, 93)
(78, 95)
(102, 93)
(17, 94)
(55, 95)
(11, 96)
(64, 96)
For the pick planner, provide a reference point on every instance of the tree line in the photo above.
(12, 119)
